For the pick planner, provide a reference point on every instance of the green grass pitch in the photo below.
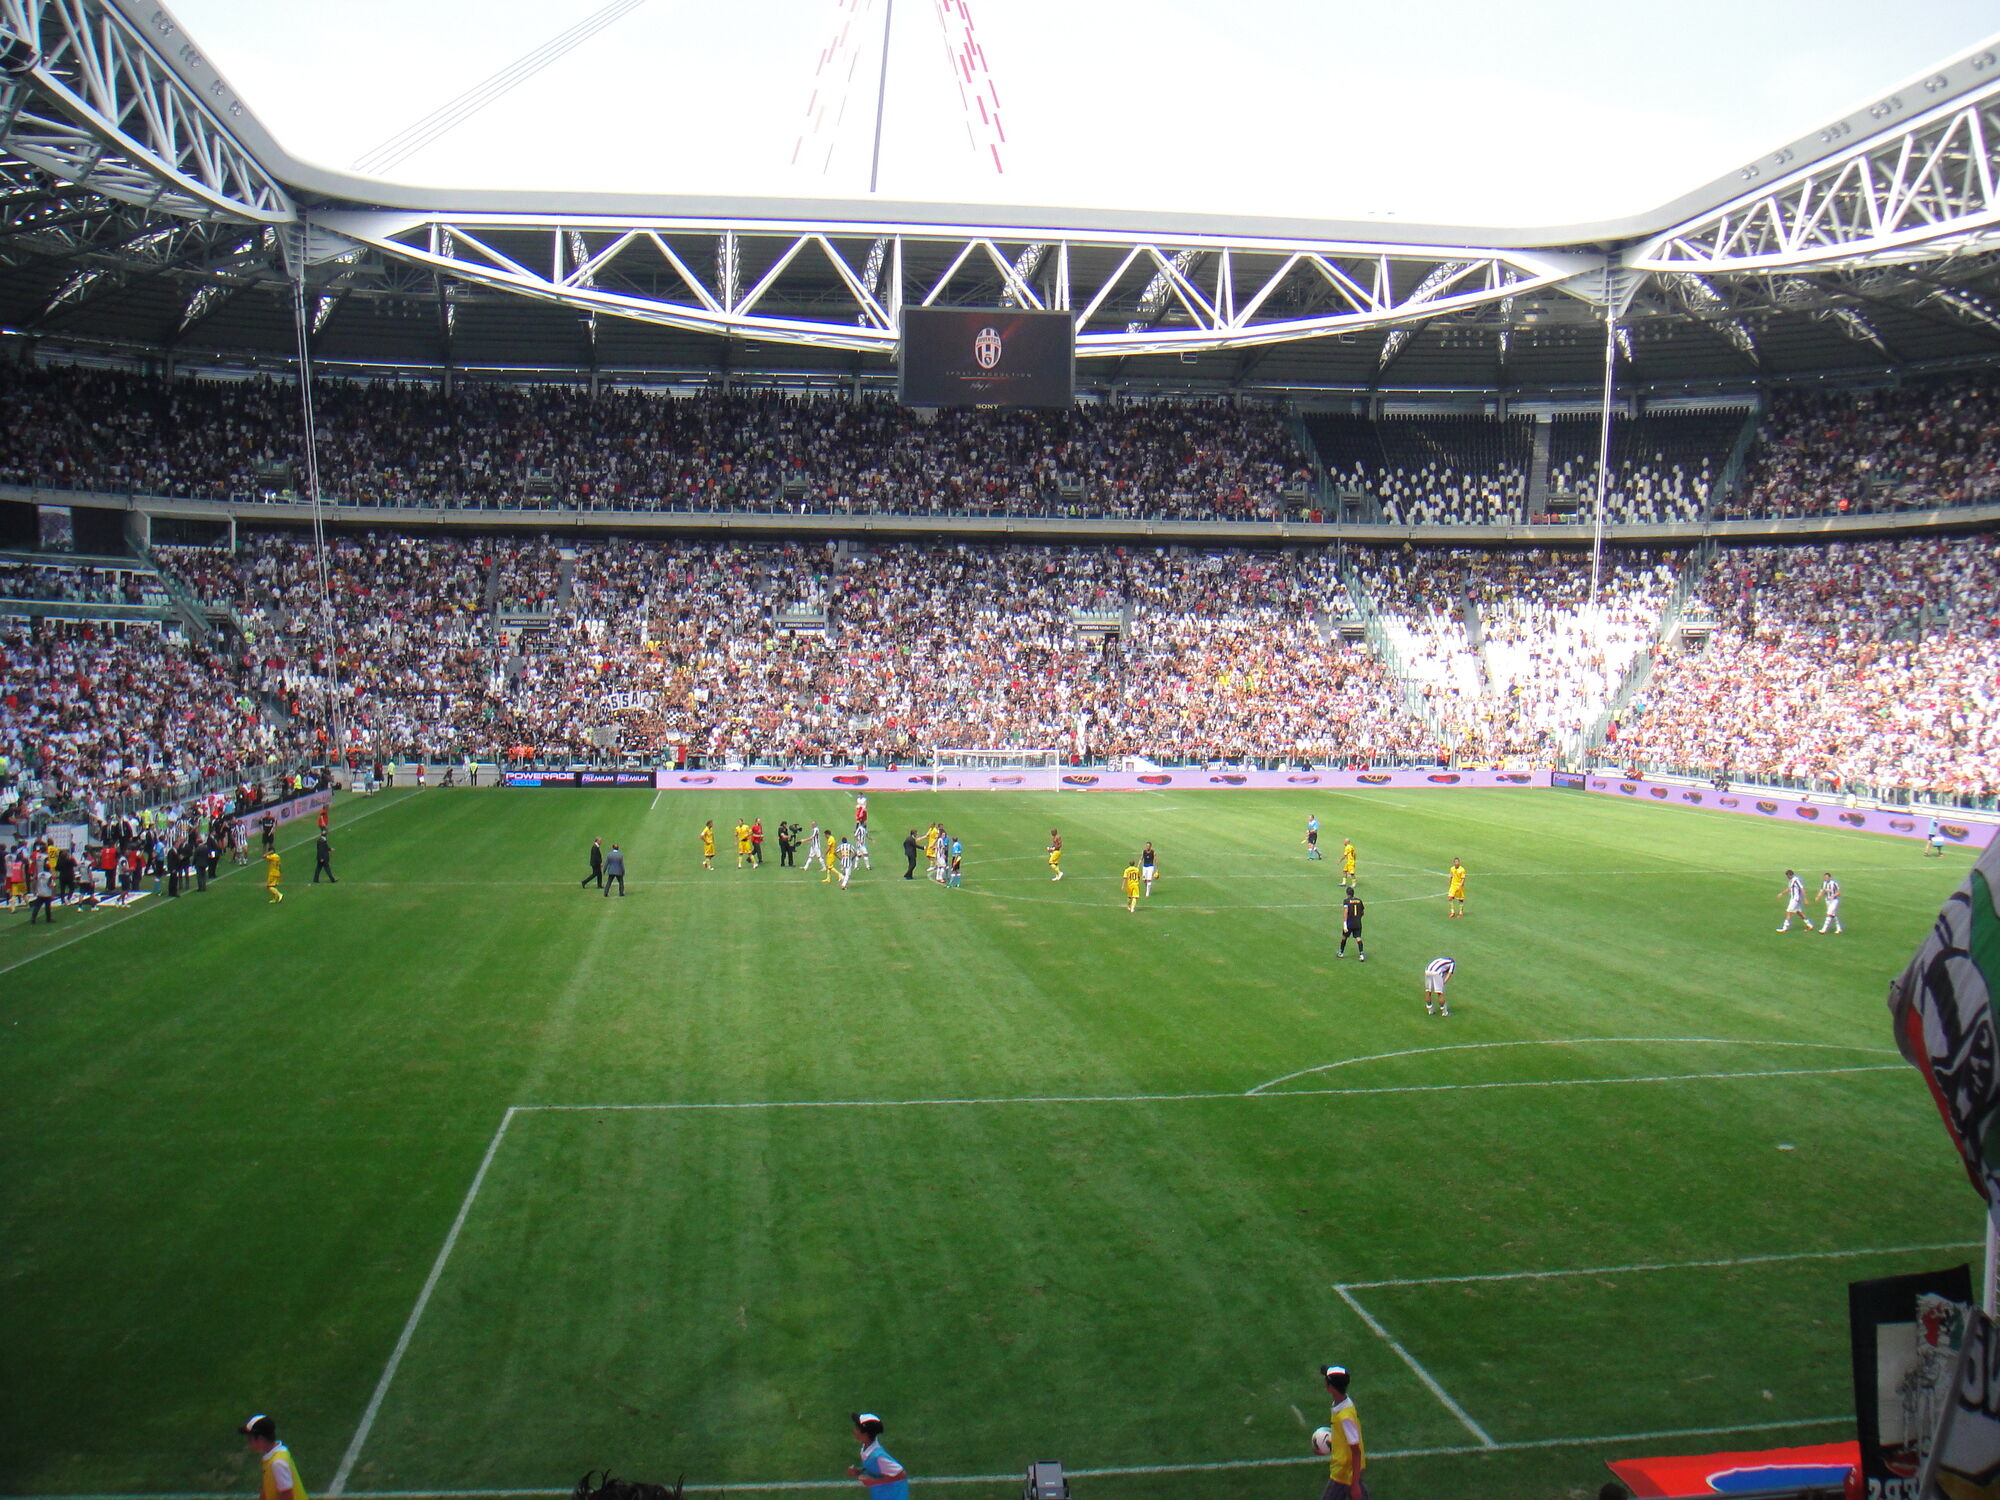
(1032, 1177)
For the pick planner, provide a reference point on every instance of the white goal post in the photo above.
(1010, 759)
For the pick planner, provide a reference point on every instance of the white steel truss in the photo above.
(101, 108)
(845, 285)
(1921, 187)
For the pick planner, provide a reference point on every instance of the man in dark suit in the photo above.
(910, 854)
(323, 859)
(614, 869)
(596, 875)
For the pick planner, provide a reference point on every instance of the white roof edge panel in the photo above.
(1958, 75)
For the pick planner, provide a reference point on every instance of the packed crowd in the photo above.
(383, 443)
(1867, 664)
(1916, 447)
(100, 711)
(1874, 664)
(1512, 653)
(799, 652)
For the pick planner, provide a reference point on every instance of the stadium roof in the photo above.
(147, 205)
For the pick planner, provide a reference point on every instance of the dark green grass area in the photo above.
(237, 1135)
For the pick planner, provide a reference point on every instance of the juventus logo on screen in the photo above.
(986, 348)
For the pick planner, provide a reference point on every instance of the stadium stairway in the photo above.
(1475, 637)
(187, 609)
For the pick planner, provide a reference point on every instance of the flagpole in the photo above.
(1989, 1286)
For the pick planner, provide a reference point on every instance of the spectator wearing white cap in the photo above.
(281, 1479)
(1345, 1458)
(880, 1475)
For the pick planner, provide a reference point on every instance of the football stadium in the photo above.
(670, 829)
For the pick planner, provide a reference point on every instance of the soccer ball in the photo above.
(1323, 1440)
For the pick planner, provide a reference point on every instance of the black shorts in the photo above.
(1353, 931)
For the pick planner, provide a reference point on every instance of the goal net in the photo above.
(1011, 759)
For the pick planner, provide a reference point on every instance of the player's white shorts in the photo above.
(1833, 906)
(1434, 983)
(1796, 904)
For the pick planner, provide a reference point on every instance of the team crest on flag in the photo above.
(1943, 1010)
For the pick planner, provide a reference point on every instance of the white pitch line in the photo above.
(1402, 1088)
(1681, 1265)
(754, 1486)
(339, 1484)
(1575, 1041)
(1430, 1381)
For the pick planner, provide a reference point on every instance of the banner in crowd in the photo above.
(630, 698)
(1904, 1332)
(1059, 779)
(1779, 809)
(303, 805)
(1821, 1466)
(1942, 1006)
(1965, 1457)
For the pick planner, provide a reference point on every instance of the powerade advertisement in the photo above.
(642, 780)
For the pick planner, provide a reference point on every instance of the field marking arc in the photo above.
(1580, 1041)
(1430, 1381)
(1220, 1465)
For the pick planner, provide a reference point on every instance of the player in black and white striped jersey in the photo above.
(1829, 892)
(1795, 902)
(1436, 972)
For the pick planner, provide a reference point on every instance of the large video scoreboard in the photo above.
(970, 356)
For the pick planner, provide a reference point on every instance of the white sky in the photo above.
(1452, 111)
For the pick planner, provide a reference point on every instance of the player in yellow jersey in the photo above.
(708, 845)
(1347, 1461)
(1454, 891)
(280, 1475)
(272, 875)
(1131, 878)
(1347, 863)
(1055, 854)
(742, 842)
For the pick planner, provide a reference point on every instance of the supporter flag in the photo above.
(1965, 1460)
(1945, 1023)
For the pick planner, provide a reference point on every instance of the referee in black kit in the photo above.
(1351, 911)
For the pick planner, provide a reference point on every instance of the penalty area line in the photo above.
(360, 1439)
(1665, 1265)
(1429, 1380)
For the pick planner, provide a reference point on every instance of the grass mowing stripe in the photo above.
(1430, 1381)
(339, 1484)
(1671, 1265)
